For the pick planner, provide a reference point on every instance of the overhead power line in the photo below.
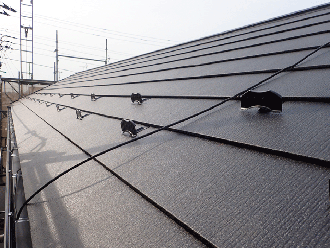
(80, 54)
(6, 7)
(134, 40)
(39, 65)
(70, 44)
(128, 35)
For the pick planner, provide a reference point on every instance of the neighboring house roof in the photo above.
(234, 178)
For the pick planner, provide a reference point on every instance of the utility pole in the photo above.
(56, 72)
(56, 61)
(106, 51)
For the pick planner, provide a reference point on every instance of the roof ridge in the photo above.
(289, 15)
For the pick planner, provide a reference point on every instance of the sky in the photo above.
(131, 27)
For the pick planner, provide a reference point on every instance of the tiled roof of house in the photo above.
(226, 177)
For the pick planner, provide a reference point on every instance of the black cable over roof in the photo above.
(190, 230)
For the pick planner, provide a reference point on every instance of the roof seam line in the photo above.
(190, 97)
(221, 39)
(208, 63)
(222, 51)
(266, 150)
(196, 65)
(276, 71)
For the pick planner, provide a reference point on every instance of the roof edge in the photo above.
(291, 14)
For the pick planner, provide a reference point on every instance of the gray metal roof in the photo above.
(170, 187)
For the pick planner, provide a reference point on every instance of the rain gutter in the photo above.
(17, 232)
